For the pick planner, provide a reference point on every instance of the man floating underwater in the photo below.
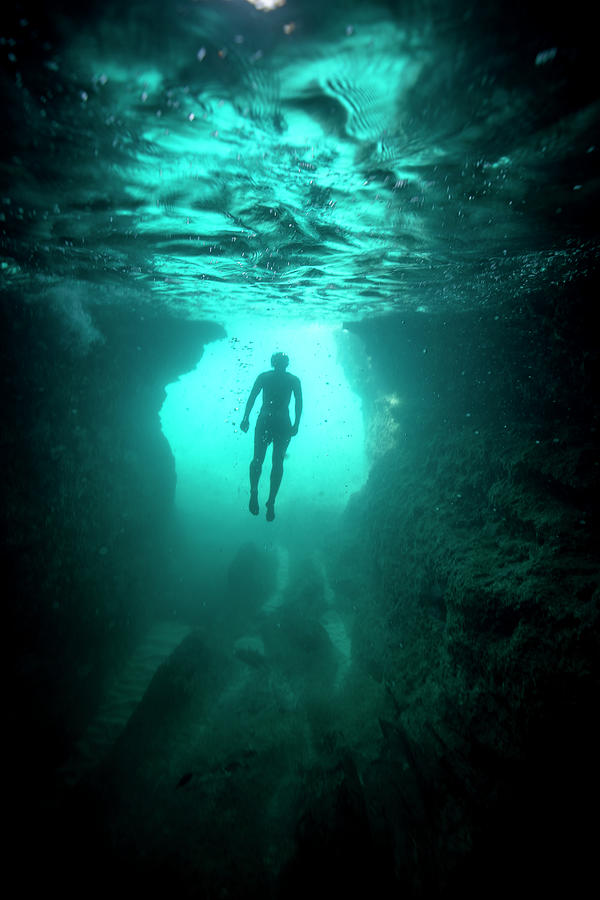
(273, 425)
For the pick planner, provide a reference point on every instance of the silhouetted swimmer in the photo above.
(273, 425)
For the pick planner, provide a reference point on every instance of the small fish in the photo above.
(184, 779)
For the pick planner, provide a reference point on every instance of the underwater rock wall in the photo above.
(457, 754)
(471, 564)
(88, 488)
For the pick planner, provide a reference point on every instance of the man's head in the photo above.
(280, 361)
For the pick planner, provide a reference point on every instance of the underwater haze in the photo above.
(376, 672)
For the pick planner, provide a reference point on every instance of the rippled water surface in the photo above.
(321, 160)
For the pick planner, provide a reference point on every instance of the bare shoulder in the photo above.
(294, 380)
(258, 383)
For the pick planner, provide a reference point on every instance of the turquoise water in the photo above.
(387, 689)
(313, 164)
(325, 464)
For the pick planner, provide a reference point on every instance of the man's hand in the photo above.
(244, 424)
(294, 430)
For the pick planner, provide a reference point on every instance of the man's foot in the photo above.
(270, 511)
(253, 505)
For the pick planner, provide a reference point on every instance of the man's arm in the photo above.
(297, 389)
(245, 424)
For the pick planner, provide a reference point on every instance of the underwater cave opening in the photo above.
(325, 464)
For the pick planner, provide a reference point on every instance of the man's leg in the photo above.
(279, 449)
(260, 448)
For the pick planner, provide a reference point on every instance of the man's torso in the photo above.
(277, 390)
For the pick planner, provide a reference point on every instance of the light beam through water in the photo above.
(325, 463)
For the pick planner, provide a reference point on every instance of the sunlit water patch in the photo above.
(311, 162)
(325, 464)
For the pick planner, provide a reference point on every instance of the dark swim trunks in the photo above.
(275, 427)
